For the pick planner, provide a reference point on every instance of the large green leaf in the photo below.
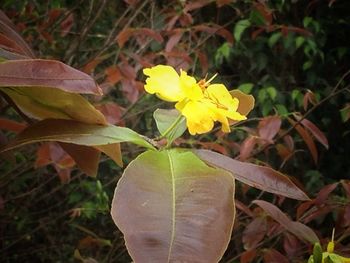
(47, 103)
(77, 133)
(261, 177)
(172, 207)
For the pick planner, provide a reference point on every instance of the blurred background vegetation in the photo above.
(293, 56)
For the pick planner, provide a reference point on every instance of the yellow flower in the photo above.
(201, 103)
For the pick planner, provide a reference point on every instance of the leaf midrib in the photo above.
(171, 167)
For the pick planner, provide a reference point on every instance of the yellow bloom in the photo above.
(201, 104)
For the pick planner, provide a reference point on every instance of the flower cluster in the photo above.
(200, 102)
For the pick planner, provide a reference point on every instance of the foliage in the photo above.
(290, 55)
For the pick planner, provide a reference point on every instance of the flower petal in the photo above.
(164, 81)
(199, 118)
(190, 87)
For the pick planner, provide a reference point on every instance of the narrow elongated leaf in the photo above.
(45, 103)
(77, 133)
(307, 139)
(46, 73)
(260, 177)
(298, 229)
(165, 119)
(9, 30)
(240, 27)
(172, 207)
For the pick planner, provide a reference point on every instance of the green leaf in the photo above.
(77, 133)
(272, 92)
(317, 253)
(299, 41)
(274, 38)
(165, 119)
(172, 207)
(261, 177)
(246, 87)
(307, 65)
(240, 27)
(48, 103)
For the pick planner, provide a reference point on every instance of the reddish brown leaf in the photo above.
(319, 213)
(298, 229)
(273, 256)
(323, 194)
(203, 61)
(257, 32)
(247, 147)
(10, 125)
(265, 12)
(9, 29)
(113, 112)
(309, 97)
(125, 35)
(113, 151)
(193, 5)
(174, 39)
(43, 157)
(64, 175)
(315, 131)
(67, 24)
(91, 65)
(215, 29)
(261, 177)
(299, 30)
(307, 139)
(46, 73)
(291, 245)
(87, 158)
(248, 256)
(9, 44)
(254, 233)
(243, 208)
(113, 75)
(268, 128)
(221, 3)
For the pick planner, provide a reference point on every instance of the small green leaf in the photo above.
(274, 38)
(246, 87)
(272, 92)
(166, 123)
(307, 65)
(281, 109)
(240, 27)
(299, 41)
(317, 253)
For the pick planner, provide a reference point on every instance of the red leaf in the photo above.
(112, 111)
(309, 97)
(125, 35)
(323, 194)
(254, 232)
(273, 256)
(67, 24)
(257, 32)
(215, 29)
(43, 157)
(244, 208)
(261, 177)
(174, 39)
(203, 61)
(248, 256)
(247, 148)
(10, 125)
(269, 127)
(9, 29)
(46, 73)
(315, 131)
(264, 10)
(193, 5)
(307, 139)
(113, 75)
(298, 229)
(291, 245)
